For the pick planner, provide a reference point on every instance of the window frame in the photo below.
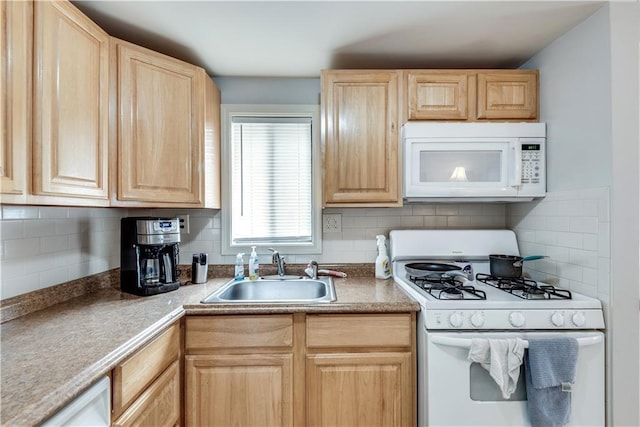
(228, 111)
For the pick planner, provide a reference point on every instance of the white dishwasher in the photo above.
(91, 408)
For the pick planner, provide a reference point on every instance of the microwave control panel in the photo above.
(531, 163)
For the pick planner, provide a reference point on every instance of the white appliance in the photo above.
(91, 408)
(453, 391)
(474, 161)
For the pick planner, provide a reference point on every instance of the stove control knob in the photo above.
(557, 319)
(516, 318)
(456, 320)
(477, 319)
(578, 319)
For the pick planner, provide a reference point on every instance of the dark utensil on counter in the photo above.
(433, 270)
(509, 266)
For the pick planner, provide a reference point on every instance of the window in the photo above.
(270, 164)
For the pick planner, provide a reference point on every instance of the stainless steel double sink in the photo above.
(275, 289)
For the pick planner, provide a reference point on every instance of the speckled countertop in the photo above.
(48, 357)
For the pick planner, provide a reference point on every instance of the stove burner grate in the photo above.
(447, 288)
(524, 288)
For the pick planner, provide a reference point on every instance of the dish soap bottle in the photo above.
(254, 264)
(239, 270)
(383, 267)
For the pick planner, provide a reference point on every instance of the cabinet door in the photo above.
(71, 103)
(159, 405)
(359, 389)
(438, 95)
(239, 390)
(160, 134)
(15, 106)
(508, 95)
(360, 114)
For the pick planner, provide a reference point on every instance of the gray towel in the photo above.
(550, 369)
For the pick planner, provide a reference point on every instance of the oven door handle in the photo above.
(466, 342)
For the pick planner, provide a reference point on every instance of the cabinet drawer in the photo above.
(215, 332)
(159, 405)
(359, 330)
(138, 371)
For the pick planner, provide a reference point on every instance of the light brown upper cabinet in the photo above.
(472, 95)
(16, 38)
(168, 144)
(438, 95)
(359, 133)
(55, 115)
(71, 104)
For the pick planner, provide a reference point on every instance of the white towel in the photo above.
(502, 358)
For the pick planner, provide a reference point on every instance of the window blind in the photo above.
(271, 179)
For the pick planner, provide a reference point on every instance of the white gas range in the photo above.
(466, 302)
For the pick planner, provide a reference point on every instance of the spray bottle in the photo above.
(383, 266)
(239, 270)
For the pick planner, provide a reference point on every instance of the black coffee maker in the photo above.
(149, 249)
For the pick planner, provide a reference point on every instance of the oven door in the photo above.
(459, 392)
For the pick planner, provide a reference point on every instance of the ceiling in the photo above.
(299, 38)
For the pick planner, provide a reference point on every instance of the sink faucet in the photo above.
(314, 269)
(278, 261)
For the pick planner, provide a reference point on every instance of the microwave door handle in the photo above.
(516, 161)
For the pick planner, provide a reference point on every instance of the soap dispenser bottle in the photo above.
(383, 266)
(254, 265)
(239, 270)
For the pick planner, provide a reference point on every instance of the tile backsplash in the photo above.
(572, 229)
(45, 246)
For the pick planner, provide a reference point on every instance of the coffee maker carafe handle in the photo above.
(168, 269)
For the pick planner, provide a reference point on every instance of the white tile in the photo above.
(27, 283)
(455, 221)
(570, 271)
(40, 228)
(604, 276)
(526, 236)
(21, 248)
(569, 208)
(557, 223)
(12, 229)
(583, 258)
(424, 209)
(471, 209)
(558, 254)
(435, 221)
(354, 234)
(412, 221)
(590, 242)
(11, 269)
(604, 240)
(389, 221)
(51, 244)
(54, 276)
(570, 240)
(546, 237)
(20, 212)
(365, 221)
(584, 225)
(590, 208)
(590, 276)
(447, 209)
(498, 209)
(54, 212)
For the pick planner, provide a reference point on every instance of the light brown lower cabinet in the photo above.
(299, 369)
(239, 390)
(158, 405)
(147, 386)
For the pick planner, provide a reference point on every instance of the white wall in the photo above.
(589, 98)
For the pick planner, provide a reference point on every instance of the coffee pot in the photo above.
(149, 255)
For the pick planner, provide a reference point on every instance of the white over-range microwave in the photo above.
(474, 161)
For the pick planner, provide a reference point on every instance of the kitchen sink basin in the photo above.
(293, 290)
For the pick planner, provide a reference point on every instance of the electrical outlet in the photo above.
(332, 223)
(184, 224)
